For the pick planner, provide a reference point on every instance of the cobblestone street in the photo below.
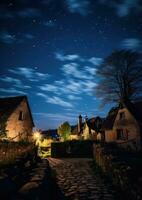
(77, 180)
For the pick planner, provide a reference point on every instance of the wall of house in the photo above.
(86, 134)
(130, 127)
(19, 129)
(74, 137)
(109, 136)
(99, 137)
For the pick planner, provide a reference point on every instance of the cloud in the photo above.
(55, 100)
(16, 82)
(49, 88)
(78, 6)
(131, 43)
(73, 70)
(95, 61)
(58, 101)
(11, 80)
(70, 57)
(70, 88)
(28, 36)
(29, 13)
(73, 97)
(91, 70)
(124, 7)
(30, 73)
(49, 23)
(56, 117)
(12, 91)
(7, 38)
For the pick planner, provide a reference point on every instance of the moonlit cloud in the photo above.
(49, 23)
(29, 12)
(11, 80)
(72, 70)
(78, 6)
(28, 36)
(12, 91)
(58, 101)
(49, 88)
(95, 61)
(55, 118)
(73, 97)
(131, 43)
(55, 100)
(124, 7)
(7, 38)
(70, 57)
(76, 71)
(15, 82)
(29, 73)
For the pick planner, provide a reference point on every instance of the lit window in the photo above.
(21, 116)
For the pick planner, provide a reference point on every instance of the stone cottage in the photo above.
(87, 129)
(124, 125)
(92, 128)
(16, 118)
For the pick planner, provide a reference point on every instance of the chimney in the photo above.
(79, 124)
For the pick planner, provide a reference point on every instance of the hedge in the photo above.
(72, 149)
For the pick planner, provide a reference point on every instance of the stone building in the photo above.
(124, 126)
(16, 114)
(92, 129)
(87, 129)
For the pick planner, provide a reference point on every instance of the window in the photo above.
(119, 134)
(122, 134)
(121, 115)
(21, 116)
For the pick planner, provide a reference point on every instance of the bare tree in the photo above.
(120, 77)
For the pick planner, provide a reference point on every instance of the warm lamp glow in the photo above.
(37, 135)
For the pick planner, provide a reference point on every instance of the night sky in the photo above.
(49, 50)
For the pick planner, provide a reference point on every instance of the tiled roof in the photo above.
(91, 123)
(109, 121)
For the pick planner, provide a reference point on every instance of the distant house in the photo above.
(89, 129)
(74, 133)
(124, 125)
(15, 113)
(92, 129)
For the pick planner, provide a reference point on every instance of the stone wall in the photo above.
(123, 168)
(19, 129)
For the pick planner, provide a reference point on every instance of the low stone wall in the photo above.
(13, 175)
(123, 168)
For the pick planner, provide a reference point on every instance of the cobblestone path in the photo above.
(77, 181)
